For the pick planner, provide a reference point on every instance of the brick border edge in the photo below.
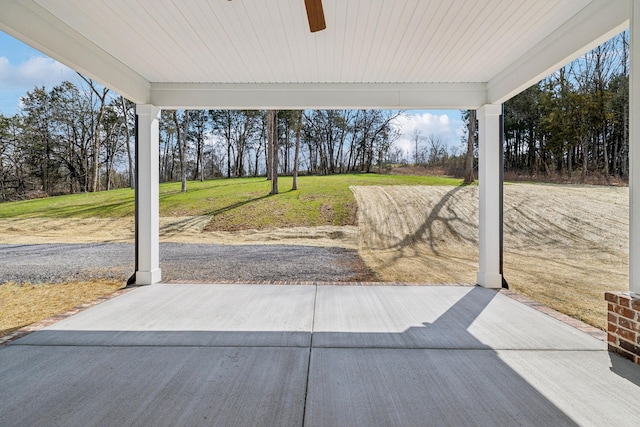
(26, 330)
(578, 324)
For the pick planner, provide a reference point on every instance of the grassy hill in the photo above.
(564, 248)
(233, 203)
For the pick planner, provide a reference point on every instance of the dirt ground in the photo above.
(564, 245)
(172, 229)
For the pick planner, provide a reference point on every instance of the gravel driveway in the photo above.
(181, 262)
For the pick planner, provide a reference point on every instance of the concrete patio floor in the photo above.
(254, 355)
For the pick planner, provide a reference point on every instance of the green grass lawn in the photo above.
(233, 203)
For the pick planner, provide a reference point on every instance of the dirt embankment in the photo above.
(563, 245)
(570, 224)
(418, 234)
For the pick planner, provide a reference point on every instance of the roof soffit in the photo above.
(404, 50)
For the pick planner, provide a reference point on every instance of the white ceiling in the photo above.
(260, 53)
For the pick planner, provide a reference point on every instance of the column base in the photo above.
(623, 324)
(148, 277)
(490, 281)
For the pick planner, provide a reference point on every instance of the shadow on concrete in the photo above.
(625, 369)
(423, 385)
(279, 378)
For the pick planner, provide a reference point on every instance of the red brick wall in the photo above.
(624, 325)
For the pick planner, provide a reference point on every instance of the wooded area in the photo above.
(576, 121)
(81, 138)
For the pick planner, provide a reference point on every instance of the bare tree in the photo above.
(182, 146)
(416, 139)
(471, 142)
(437, 150)
(126, 108)
(102, 97)
(200, 120)
(297, 151)
(272, 141)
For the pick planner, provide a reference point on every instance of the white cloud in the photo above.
(448, 127)
(36, 71)
(16, 79)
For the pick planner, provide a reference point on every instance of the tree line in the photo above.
(574, 123)
(80, 138)
(234, 143)
(66, 140)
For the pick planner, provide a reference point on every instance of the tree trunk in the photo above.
(286, 147)
(268, 149)
(471, 139)
(95, 178)
(228, 138)
(45, 169)
(605, 154)
(585, 159)
(127, 135)
(198, 172)
(296, 154)
(272, 123)
(96, 149)
(181, 148)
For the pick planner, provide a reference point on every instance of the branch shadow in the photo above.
(89, 210)
(443, 214)
(436, 215)
(237, 205)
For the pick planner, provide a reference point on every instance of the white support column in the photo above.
(634, 148)
(148, 195)
(489, 181)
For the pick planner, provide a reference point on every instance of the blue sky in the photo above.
(445, 124)
(22, 68)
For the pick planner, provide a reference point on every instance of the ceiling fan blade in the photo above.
(315, 15)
